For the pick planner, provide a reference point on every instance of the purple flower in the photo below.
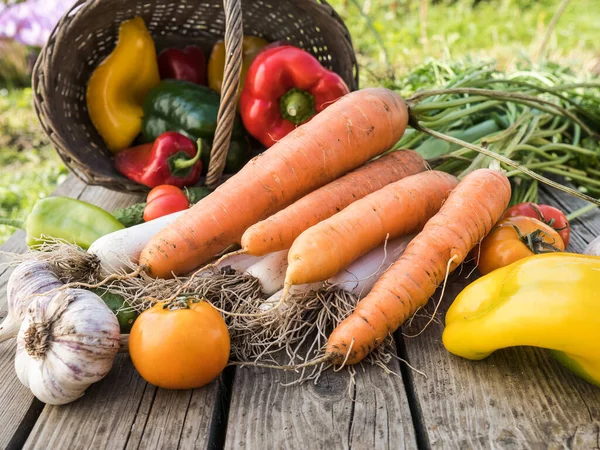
(31, 22)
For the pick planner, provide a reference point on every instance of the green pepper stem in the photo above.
(297, 106)
(13, 223)
(180, 163)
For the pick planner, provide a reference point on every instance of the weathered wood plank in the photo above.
(16, 400)
(265, 414)
(517, 398)
(122, 410)
(176, 419)
(102, 418)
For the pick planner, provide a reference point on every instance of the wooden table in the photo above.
(517, 398)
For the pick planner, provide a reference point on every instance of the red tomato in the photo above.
(550, 215)
(164, 199)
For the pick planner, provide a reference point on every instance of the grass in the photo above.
(31, 168)
(509, 31)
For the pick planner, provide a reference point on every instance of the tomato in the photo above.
(164, 199)
(181, 348)
(548, 214)
(516, 238)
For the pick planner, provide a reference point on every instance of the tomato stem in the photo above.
(535, 241)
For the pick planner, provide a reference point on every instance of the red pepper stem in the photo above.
(297, 106)
(16, 223)
(180, 163)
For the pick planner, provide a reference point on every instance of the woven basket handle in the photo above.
(234, 35)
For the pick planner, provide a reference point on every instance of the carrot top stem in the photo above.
(413, 122)
(580, 212)
(516, 97)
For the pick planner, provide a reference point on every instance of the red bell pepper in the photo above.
(171, 159)
(164, 199)
(188, 64)
(286, 86)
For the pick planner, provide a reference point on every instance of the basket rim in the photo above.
(43, 80)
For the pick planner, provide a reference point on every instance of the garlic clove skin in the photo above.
(29, 278)
(65, 344)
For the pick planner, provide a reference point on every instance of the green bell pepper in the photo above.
(66, 218)
(189, 109)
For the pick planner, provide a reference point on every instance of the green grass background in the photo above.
(391, 37)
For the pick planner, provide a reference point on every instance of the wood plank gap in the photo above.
(411, 393)
(219, 422)
(24, 429)
(147, 415)
(352, 411)
(185, 416)
(137, 413)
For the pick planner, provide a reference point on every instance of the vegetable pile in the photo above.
(152, 112)
(316, 251)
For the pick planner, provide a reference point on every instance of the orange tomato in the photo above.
(516, 238)
(180, 348)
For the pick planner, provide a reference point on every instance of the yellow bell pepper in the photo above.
(251, 47)
(117, 87)
(550, 300)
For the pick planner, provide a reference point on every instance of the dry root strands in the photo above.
(69, 262)
(293, 336)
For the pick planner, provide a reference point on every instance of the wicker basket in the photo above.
(87, 34)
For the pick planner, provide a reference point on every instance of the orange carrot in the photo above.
(279, 231)
(466, 217)
(353, 130)
(397, 209)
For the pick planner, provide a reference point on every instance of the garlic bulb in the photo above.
(28, 279)
(65, 344)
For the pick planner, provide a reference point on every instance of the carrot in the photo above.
(279, 231)
(353, 130)
(397, 209)
(469, 213)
